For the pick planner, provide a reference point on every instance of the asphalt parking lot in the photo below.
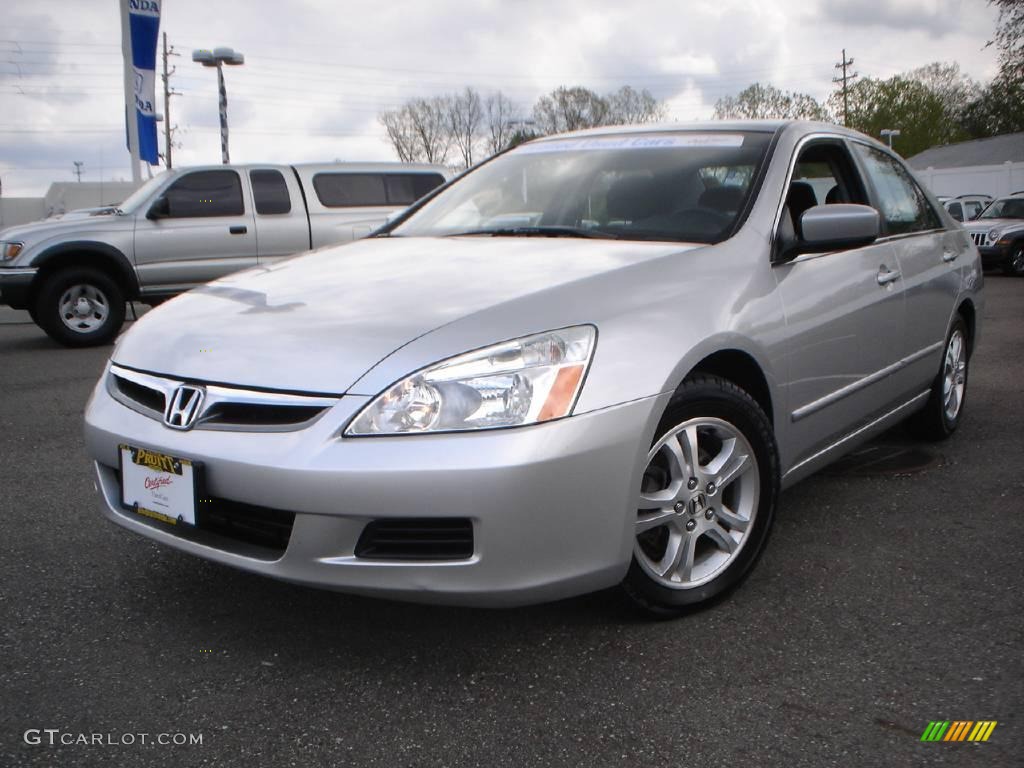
(886, 599)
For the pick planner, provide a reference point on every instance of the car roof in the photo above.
(757, 126)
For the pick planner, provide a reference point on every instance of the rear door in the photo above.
(929, 259)
(844, 312)
(282, 225)
(209, 232)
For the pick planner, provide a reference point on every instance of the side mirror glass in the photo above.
(160, 209)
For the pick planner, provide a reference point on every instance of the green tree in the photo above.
(904, 103)
(999, 108)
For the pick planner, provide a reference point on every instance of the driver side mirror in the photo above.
(834, 227)
(160, 209)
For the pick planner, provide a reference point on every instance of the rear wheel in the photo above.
(941, 415)
(1015, 261)
(707, 498)
(80, 307)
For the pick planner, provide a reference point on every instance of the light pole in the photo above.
(889, 132)
(217, 58)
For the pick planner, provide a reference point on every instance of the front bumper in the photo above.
(551, 505)
(993, 255)
(15, 285)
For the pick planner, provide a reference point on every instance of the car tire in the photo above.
(80, 307)
(1014, 265)
(699, 529)
(939, 418)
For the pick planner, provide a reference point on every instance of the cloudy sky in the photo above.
(318, 72)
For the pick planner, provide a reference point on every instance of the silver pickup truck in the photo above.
(186, 227)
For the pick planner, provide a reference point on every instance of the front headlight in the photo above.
(993, 234)
(9, 250)
(525, 381)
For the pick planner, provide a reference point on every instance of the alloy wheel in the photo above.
(83, 308)
(697, 503)
(954, 375)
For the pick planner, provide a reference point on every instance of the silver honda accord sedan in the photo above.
(593, 360)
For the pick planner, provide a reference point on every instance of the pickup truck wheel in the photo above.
(707, 498)
(941, 415)
(80, 307)
(1014, 265)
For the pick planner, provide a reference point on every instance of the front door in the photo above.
(206, 232)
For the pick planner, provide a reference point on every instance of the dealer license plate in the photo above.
(158, 486)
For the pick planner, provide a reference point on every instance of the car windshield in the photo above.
(136, 198)
(1007, 208)
(683, 186)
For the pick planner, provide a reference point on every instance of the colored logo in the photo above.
(958, 730)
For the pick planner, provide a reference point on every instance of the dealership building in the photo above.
(993, 166)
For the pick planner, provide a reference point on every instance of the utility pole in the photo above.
(78, 169)
(846, 79)
(168, 92)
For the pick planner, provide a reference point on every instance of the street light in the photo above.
(217, 58)
(889, 132)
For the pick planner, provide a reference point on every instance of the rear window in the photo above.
(352, 190)
(270, 192)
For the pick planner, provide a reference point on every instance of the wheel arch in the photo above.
(87, 253)
(967, 311)
(743, 370)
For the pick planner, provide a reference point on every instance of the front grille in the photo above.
(148, 398)
(444, 538)
(978, 238)
(223, 407)
(248, 523)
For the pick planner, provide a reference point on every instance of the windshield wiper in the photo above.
(537, 232)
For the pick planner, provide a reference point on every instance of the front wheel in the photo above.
(80, 307)
(1014, 265)
(707, 498)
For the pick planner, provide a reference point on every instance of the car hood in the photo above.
(64, 224)
(319, 322)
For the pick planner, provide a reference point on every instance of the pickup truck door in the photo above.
(282, 224)
(206, 231)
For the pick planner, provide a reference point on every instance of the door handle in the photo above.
(949, 255)
(886, 275)
(239, 229)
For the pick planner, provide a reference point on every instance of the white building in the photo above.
(61, 197)
(993, 166)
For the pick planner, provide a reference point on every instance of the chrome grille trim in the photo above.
(978, 238)
(218, 399)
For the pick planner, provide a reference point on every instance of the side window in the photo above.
(824, 175)
(406, 188)
(350, 190)
(956, 211)
(972, 209)
(270, 192)
(205, 193)
(902, 203)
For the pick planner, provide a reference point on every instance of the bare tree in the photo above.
(502, 115)
(757, 102)
(570, 109)
(627, 106)
(399, 125)
(465, 116)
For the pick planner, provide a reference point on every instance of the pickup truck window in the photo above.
(352, 190)
(205, 193)
(270, 192)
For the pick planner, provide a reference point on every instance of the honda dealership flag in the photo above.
(143, 29)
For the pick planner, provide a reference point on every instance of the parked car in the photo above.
(999, 234)
(189, 226)
(592, 360)
(966, 207)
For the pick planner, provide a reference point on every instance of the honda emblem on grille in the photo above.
(183, 407)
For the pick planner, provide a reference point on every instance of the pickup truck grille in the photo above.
(978, 238)
(224, 408)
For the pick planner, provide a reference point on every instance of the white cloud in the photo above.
(318, 72)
